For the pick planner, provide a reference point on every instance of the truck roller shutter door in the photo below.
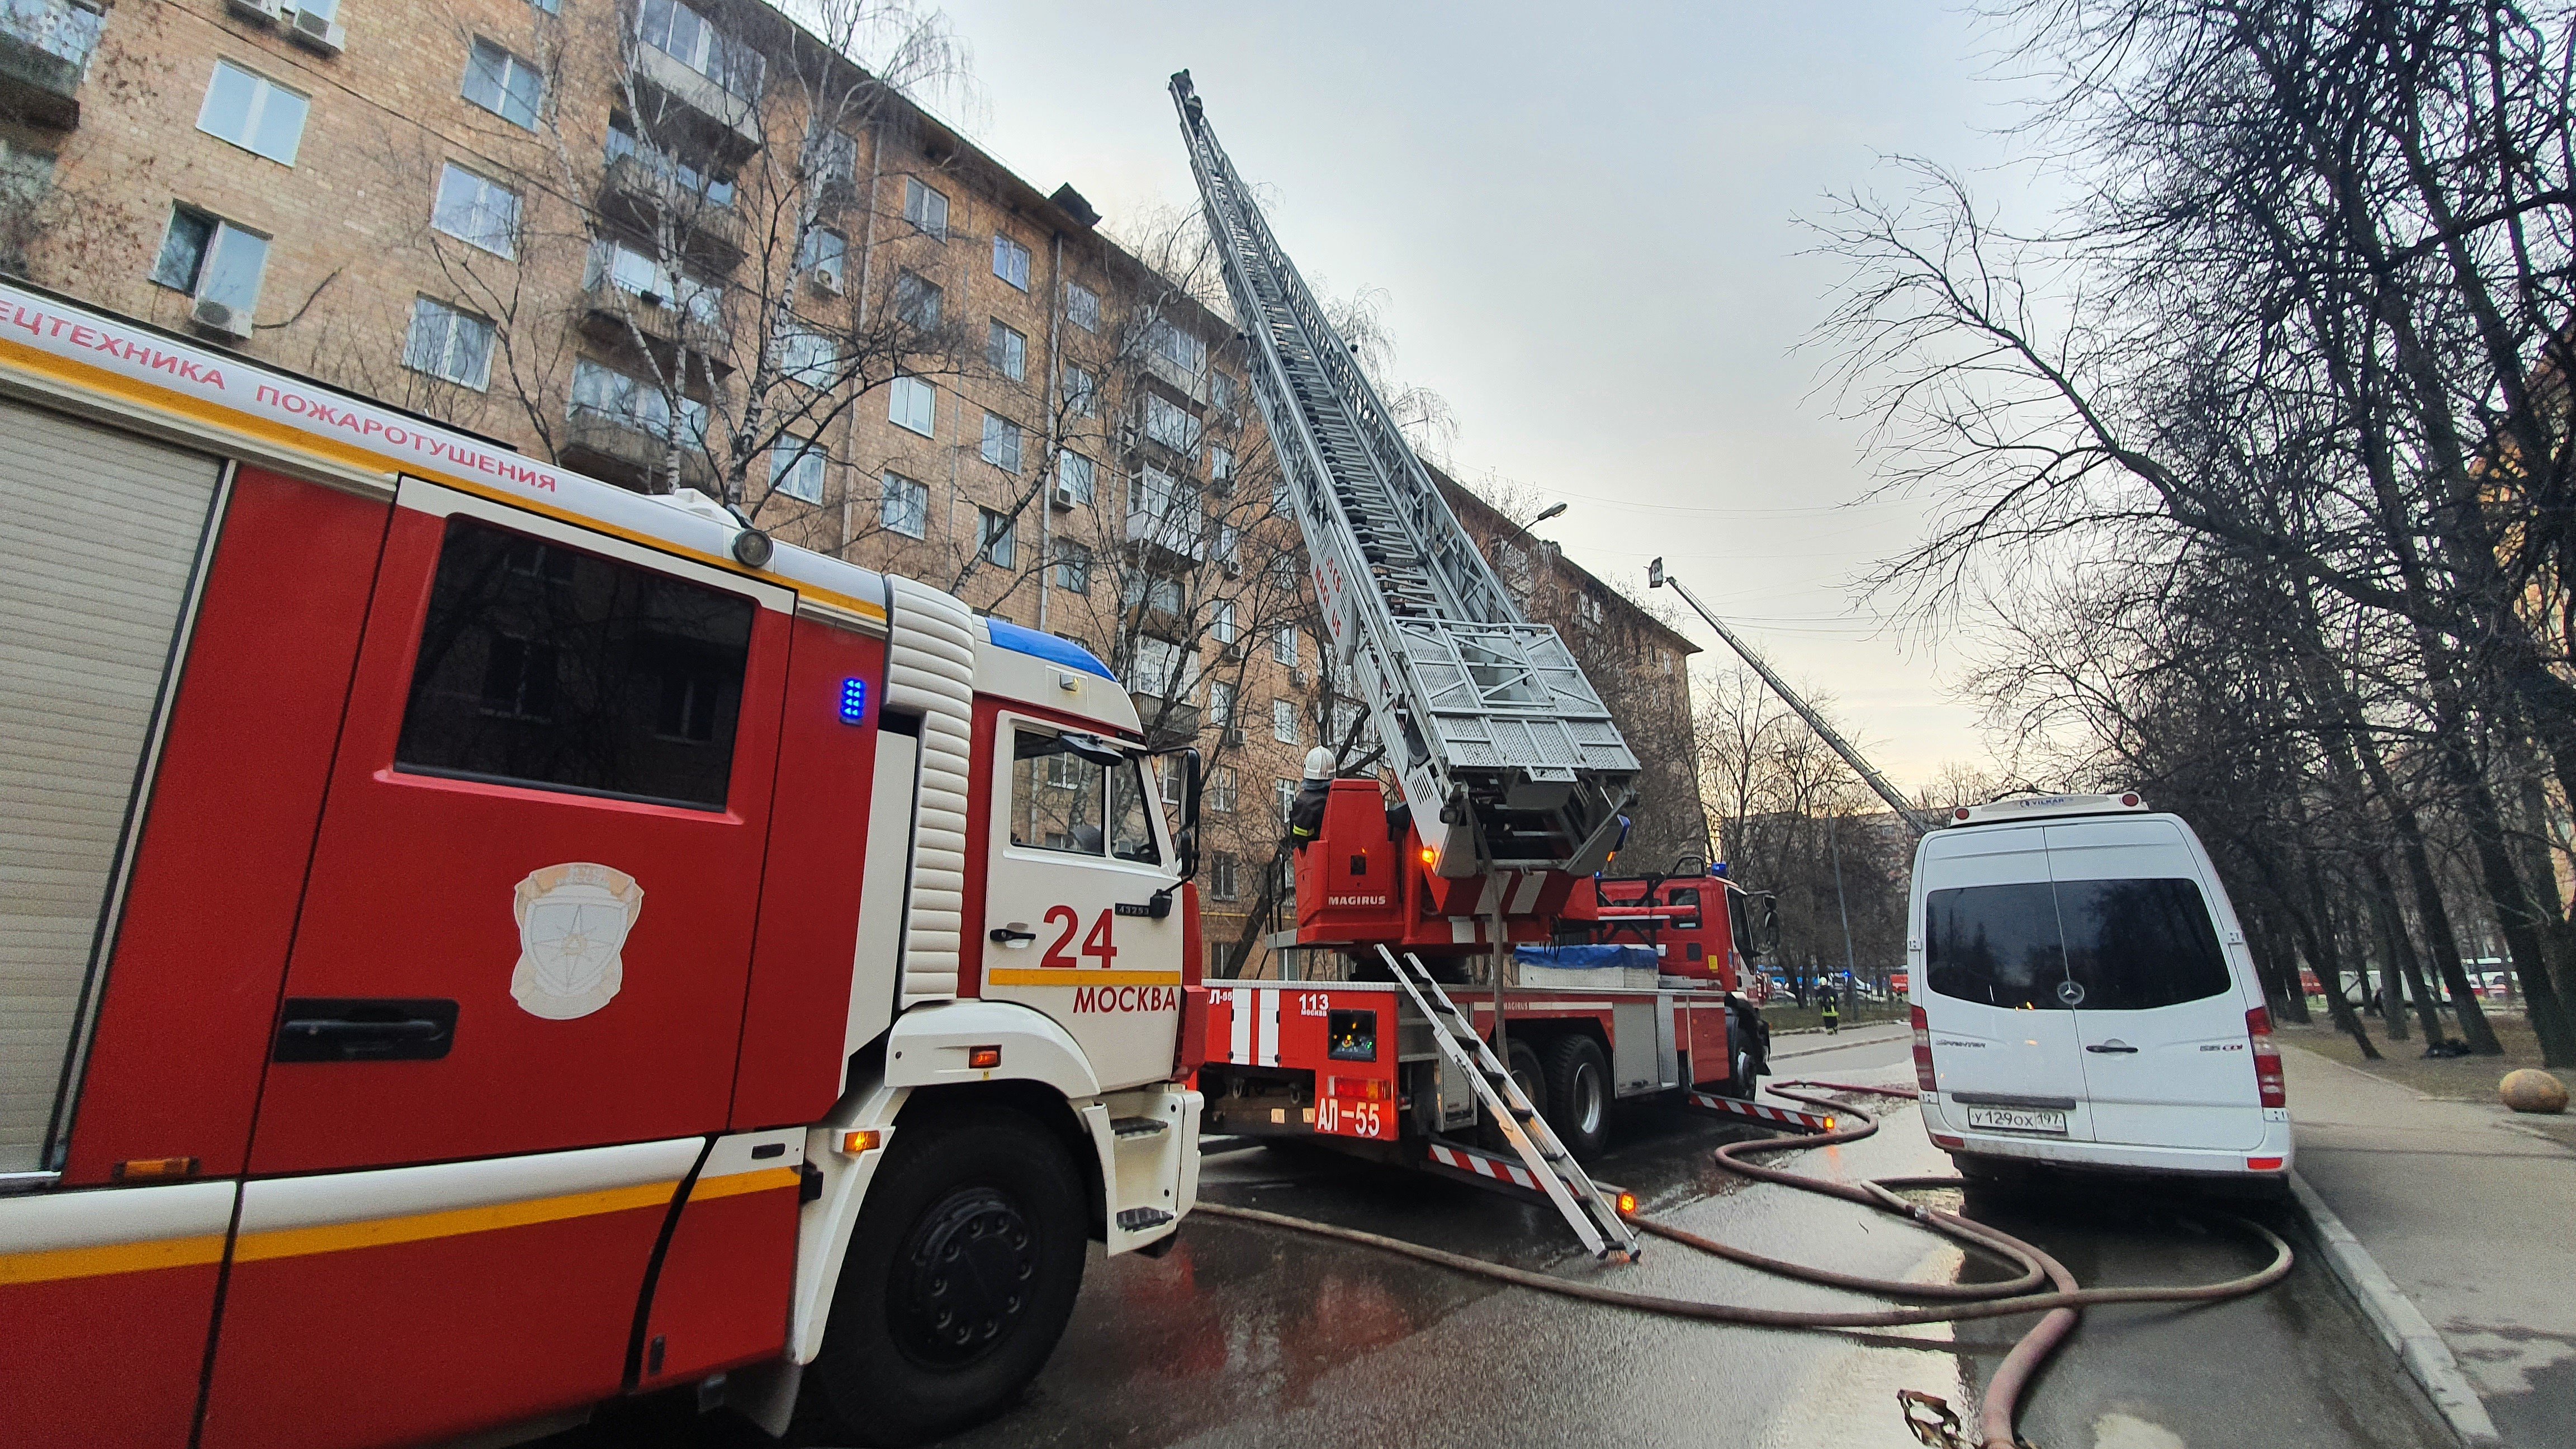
(930, 667)
(100, 539)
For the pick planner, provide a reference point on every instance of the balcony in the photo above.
(627, 452)
(1175, 539)
(45, 47)
(612, 315)
(636, 193)
(1190, 385)
(1165, 726)
(726, 121)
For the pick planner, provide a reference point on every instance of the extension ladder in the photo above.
(1590, 1214)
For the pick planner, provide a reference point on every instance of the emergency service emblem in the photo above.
(573, 920)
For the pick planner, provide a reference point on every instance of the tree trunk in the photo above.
(2392, 945)
(2438, 933)
(2280, 983)
(2517, 916)
(2316, 929)
(2401, 949)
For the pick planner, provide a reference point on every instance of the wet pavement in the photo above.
(1249, 1336)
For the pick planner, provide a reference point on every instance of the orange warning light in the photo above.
(855, 1143)
(983, 1058)
(1430, 857)
(1627, 1204)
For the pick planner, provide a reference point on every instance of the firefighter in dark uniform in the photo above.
(1306, 812)
(1830, 1011)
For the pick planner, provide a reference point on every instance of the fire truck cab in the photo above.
(476, 942)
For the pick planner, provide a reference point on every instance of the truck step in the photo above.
(1136, 1220)
(1123, 1128)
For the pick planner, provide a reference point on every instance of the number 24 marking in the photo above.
(1099, 942)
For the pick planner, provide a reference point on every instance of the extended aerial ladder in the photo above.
(1504, 752)
(1921, 823)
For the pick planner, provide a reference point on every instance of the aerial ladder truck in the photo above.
(1511, 783)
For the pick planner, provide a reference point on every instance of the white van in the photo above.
(2083, 997)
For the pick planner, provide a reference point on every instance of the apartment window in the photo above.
(916, 301)
(1221, 706)
(1081, 391)
(1072, 566)
(913, 404)
(1221, 875)
(1283, 573)
(1164, 670)
(212, 260)
(25, 174)
(1588, 611)
(1283, 645)
(1006, 351)
(1221, 627)
(1002, 443)
(1166, 423)
(477, 210)
(1173, 793)
(1283, 793)
(689, 38)
(59, 28)
(1074, 474)
(252, 112)
(796, 469)
(1177, 346)
(447, 343)
(1082, 306)
(503, 84)
(1219, 796)
(824, 256)
(1221, 392)
(1280, 497)
(906, 506)
(1000, 538)
(1229, 545)
(1220, 464)
(1283, 721)
(836, 161)
(808, 357)
(926, 207)
(1010, 261)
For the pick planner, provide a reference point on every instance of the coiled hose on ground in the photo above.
(2020, 1294)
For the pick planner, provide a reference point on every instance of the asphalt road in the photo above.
(1247, 1336)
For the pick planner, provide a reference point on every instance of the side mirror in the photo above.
(1765, 910)
(1185, 836)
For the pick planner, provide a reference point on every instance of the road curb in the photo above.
(1855, 1039)
(2398, 1320)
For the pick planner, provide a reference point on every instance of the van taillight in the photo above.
(1923, 1077)
(2267, 1058)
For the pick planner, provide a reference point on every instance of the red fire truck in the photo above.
(1631, 992)
(476, 942)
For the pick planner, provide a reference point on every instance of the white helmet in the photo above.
(1319, 763)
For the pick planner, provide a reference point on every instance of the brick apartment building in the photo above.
(694, 245)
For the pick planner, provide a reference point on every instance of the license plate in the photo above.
(2018, 1119)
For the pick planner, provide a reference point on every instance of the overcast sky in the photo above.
(1583, 219)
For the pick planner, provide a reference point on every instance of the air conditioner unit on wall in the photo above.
(1234, 734)
(319, 31)
(1231, 651)
(1296, 679)
(218, 317)
(1063, 498)
(826, 280)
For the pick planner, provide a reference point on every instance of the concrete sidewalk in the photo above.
(2472, 1221)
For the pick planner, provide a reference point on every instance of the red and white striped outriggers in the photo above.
(1760, 1112)
(1482, 1164)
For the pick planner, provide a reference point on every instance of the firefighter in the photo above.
(1832, 1012)
(1306, 812)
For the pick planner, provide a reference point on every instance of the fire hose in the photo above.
(1930, 1419)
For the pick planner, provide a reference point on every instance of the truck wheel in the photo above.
(1578, 1082)
(1744, 1061)
(958, 1282)
(1531, 1078)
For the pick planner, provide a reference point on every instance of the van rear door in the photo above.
(2167, 1062)
(2003, 1041)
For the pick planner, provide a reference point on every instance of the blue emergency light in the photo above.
(854, 701)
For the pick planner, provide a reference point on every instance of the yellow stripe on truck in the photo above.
(384, 1232)
(59, 1263)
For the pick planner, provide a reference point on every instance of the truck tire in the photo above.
(1578, 1084)
(1744, 1059)
(958, 1281)
(1531, 1077)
